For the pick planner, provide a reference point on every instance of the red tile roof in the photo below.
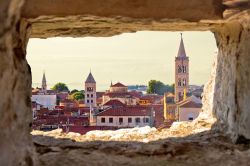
(135, 94)
(67, 101)
(99, 100)
(126, 111)
(152, 98)
(191, 104)
(61, 119)
(59, 107)
(114, 103)
(81, 101)
(118, 94)
(99, 94)
(118, 85)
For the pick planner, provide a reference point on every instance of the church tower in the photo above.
(90, 91)
(44, 83)
(181, 73)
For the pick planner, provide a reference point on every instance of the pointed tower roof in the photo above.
(181, 52)
(44, 78)
(90, 78)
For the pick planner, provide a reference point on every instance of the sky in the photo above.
(129, 58)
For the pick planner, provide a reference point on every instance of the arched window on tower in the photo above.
(184, 69)
(179, 69)
(179, 82)
(184, 82)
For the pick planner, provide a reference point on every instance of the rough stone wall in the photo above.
(15, 84)
(231, 92)
(227, 93)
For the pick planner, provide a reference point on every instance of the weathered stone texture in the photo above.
(232, 93)
(204, 148)
(15, 83)
(112, 17)
(171, 9)
(226, 95)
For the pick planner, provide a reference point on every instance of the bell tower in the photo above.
(90, 91)
(44, 83)
(181, 73)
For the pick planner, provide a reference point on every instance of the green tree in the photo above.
(77, 96)
(73, 91)
(59, 87)
(157, 87)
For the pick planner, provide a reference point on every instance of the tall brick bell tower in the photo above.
(181, 73)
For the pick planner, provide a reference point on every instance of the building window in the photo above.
(184, 68)
(137, 120)
(87, 101)
(179, 69)
(180, 96)
(103, 120)
(90, 89)
(110, 120)
(145, 120)
(91, 101)
(87, 95)
(179, 82)
(129, 120)
(190, 116)
(92, 95)
(120, 120)
(184, 82)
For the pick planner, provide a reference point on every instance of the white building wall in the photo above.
(48, 101)
(185, 113)
(90, 96)
(125, 123)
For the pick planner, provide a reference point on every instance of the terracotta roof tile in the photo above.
(191, 104)
(118, 94)
(114, 103)
(126, 111)
(118, 85)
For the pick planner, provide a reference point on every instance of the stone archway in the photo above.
(227, 93)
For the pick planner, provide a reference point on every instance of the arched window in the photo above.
(179, 69)
(184, 69)
(179, 82)
(184, 82)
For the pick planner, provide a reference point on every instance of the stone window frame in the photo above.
(145, 120)
(120, 120)
(137, 120)
(184, 82)
(179, 82)
(111, 120)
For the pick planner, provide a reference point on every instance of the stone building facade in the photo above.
(181, 73)
(90, 91)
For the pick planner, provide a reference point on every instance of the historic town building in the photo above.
(119, 92)
(90, 91)
(181, 73)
